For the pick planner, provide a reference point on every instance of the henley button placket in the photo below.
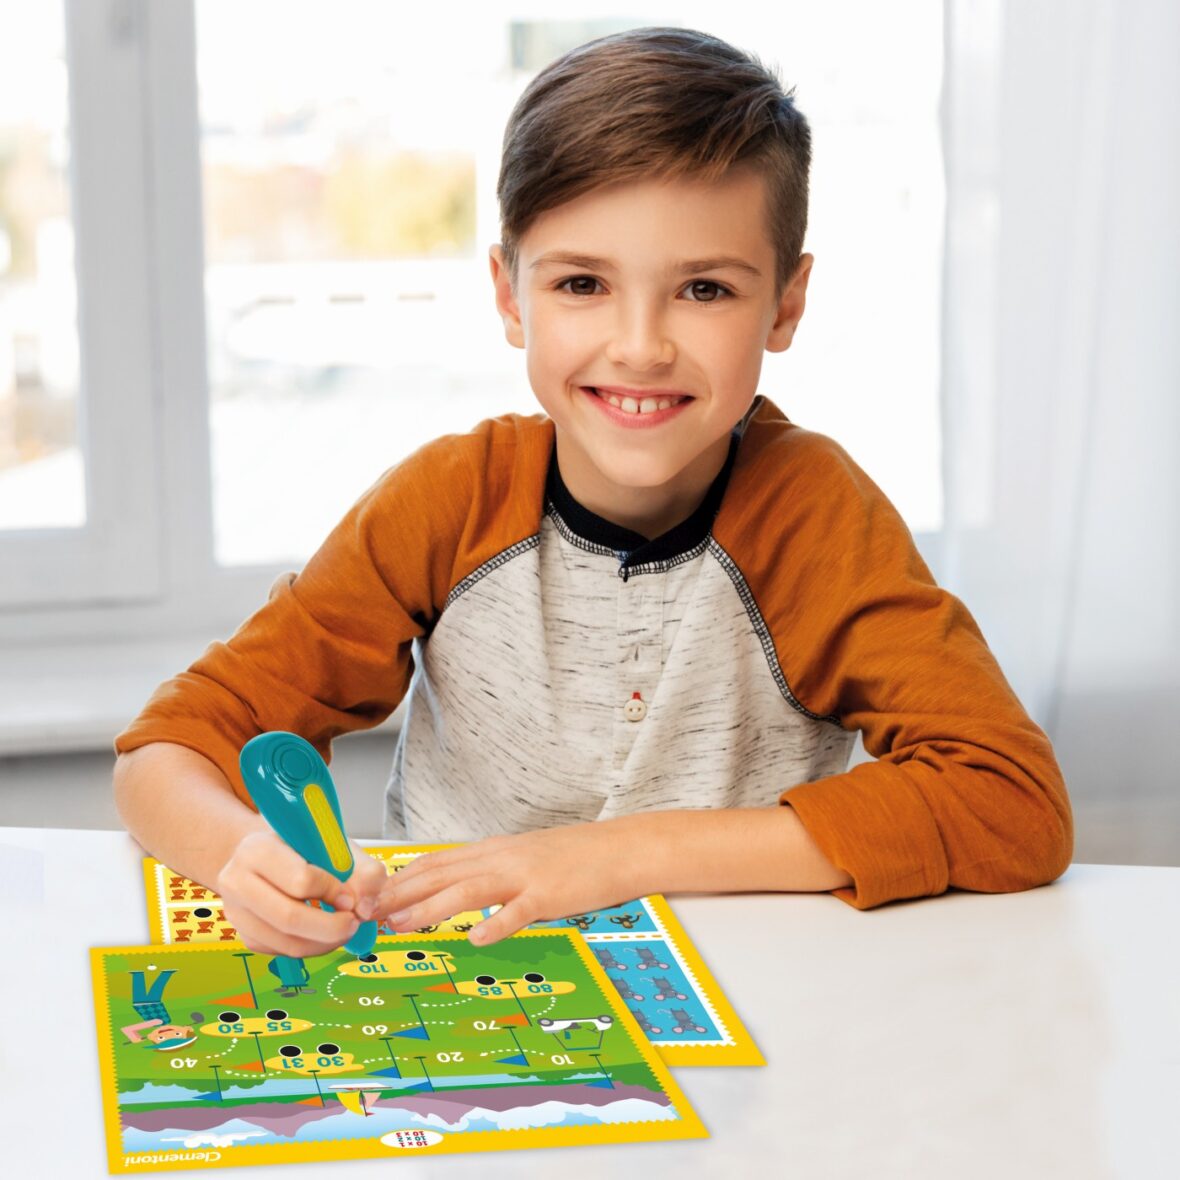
(639, 658)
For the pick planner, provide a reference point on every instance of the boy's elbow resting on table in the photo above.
(1039, 858)
(1029, 843)
(951, 816)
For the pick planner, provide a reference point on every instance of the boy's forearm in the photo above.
(181, 809)
(732, 850)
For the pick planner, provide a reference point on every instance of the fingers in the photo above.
(366, 883)
(438, 885)
(443, 858)
(435, 870)
(264, 885)
(436, 903)
(400, 894)
(507, 920)
(260, 936)
(277, 862)
(292, 917)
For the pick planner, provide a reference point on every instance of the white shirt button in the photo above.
(635, 709)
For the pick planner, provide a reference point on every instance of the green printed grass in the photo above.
(362, 1017)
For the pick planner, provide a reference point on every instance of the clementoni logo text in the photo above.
(171, 1157)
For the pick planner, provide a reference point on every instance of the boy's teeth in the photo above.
(647, 405)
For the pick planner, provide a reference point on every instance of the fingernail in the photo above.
(478, 935)
(398, 919)
(366, 907)
(344, 901)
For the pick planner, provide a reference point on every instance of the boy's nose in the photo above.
(640, 341)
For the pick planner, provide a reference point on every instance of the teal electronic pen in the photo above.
(290, 783)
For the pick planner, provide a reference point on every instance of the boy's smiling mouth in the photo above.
(637, 402)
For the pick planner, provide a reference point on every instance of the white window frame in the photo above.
(91, 619)
(114, 556)
(143, 564)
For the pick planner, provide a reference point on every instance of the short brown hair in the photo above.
(654, 103)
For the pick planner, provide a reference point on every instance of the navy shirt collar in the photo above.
(633, 548)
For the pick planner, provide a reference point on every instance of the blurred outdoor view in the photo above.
(41, 482)
(349, 157)
(349, 306)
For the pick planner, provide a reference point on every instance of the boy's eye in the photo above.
(700, 290)
(578, 285)
(706, 291)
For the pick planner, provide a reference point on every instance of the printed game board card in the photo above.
(212, 1055)
(645, 952)
(661, 977)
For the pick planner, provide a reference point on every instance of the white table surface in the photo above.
(1017, 1035)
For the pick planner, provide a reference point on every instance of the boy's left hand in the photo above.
(534, 876)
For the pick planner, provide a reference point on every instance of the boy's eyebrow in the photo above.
(689, 266)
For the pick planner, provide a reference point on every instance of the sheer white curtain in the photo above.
(1062, 373)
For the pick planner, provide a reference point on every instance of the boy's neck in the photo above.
(648, 511)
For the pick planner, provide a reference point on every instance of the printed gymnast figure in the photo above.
(149, 1003)
(292, 975)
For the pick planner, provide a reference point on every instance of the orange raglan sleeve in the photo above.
(330, 652)
(965, 790)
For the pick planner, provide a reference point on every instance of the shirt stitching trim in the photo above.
(647, 567)
(572, 537)
(763, 632)
(490, 566)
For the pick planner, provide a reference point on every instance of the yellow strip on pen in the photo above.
(325, 821)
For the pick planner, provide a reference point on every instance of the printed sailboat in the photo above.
(358, 1096)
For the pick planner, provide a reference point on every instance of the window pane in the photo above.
(865, 367)
(349, 173)
(41, 478)
(348, 302)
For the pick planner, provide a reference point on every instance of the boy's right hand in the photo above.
(264, 884)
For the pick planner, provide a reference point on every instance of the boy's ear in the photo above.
(790, 307)
(506, 303)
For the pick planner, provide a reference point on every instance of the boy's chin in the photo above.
(638, 472)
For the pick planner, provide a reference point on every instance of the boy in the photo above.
(148, 1002)
(640, 631)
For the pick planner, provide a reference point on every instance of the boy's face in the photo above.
(659, 291)
(170, 1032)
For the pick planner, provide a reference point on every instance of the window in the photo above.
(41, 483)
(346, 290)
(78, 500)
